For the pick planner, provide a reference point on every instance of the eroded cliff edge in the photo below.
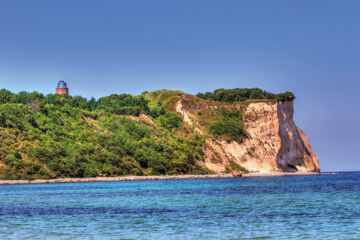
(273, 142)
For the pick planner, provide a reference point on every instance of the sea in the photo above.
(295, 207)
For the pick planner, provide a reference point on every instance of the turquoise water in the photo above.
(301, 207)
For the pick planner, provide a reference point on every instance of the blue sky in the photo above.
(101, 47)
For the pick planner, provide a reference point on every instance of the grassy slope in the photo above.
(206, 113)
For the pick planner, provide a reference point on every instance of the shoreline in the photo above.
(165, 177)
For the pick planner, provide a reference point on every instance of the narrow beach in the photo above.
(165, 177)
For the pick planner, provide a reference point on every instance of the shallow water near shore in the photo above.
(301, 207)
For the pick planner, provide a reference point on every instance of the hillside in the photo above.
(156, 133)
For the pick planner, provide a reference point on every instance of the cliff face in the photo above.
(273, 142)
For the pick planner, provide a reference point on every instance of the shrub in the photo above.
(237, 167)
(230, 128)
(170, 121)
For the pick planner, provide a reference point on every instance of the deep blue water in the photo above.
(301, 207)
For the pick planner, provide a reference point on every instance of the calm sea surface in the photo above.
(301, 207)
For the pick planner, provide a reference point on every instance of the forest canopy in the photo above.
(243, 94)
(123, 104)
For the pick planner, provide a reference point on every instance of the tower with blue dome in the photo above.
(62, 87)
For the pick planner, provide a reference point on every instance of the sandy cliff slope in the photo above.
(273, 142)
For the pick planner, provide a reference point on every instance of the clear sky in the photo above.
(101, 47)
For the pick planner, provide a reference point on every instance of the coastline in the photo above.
(165, 177)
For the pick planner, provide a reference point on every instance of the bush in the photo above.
(287, 96)
(170, 121)
(230, 128)
(237, 167)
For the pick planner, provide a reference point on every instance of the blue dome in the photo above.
(62, 84)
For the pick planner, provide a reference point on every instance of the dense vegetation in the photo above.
(229, 126)
(53, 136)
(62, 136)
(123, 104)
(243, 94)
